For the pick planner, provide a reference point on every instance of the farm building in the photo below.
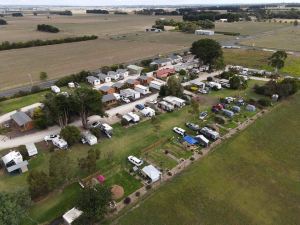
(93, 80)
(133, 69)
(130, 93)
(142, 89)
(70, 216)
(164, 72)
(204, 32)
(22, 121)
(104, 78)
(155, 84)
(177, 102)
(31, 149)
(13, 162)
(151, 173)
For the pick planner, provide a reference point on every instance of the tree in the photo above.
(3, 22)
(87, 102)
(43, 76)
(60, 169)
(59, 107)
(71, 134)
(93, 201)
(13, 207)
(39, 184)
(194, 108)
(182, 72)
(88, 163)
(237, 82)
(296, 23)
(209, 52)
(40, 120)
(277, 60)
(173, 87)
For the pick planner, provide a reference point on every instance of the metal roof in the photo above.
(21, 118)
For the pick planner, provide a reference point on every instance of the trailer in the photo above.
(106, 129)
(209, 133)
(228, 113)
(60, 143)
(202, 140)
(89, 138)
(166, 106)
(55, 89)
(214, 85)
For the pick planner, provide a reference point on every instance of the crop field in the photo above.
(259, 59)
(285, 39)
(252, 178)
(121, 39)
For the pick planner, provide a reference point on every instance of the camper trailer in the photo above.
(89, 138)
(55, 89)
(209, 133)
(106, 129)
(60, 143)
(214, 85)
(202, 140)
(228, 113)
(166, 106)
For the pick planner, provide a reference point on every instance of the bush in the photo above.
(227, 33)
(78, 77)
(3, 22)
(124, 122)
(220, 119)
(47, 28)
(71, 134)
(209, 79)
(96, 131)
(166, 152)
(265, 102)
(35, 89)
(192, 158)
(137, 194)
(148, 187)
(22, 149)
(127, 200)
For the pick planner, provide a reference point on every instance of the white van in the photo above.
(135, 161)
(55, 89)
(179, 131)
(60, 143)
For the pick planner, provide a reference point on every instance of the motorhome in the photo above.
(106, 129)
(166, 106)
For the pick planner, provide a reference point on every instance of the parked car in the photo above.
(135, 161)
(203, 115)
(179, 131)
(140, 106)
(51, 137)
(124, 99)
(203, 91)
(193, 126)
(95, 124)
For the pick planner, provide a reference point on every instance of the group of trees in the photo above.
(41, 183)
(17, 14)
(62, 13)
(6, 45)
(213, 16)
(47, 28)
(84, 102)
(173, 87)
(3, 22)
(157, 12)
(277, 60)
(88, 163)
(284, 88)
(209, 53)
(185, 26)
(14, 207)
(97, 11)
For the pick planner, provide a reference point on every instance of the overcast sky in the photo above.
(130, 2)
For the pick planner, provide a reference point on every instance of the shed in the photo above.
(251, 108)
(70, 216)
(190, 140)
(31, 149)
(22, 121)
(134, 69)
(151, 172)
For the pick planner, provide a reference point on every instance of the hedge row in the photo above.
(16, 45)
(228, 33)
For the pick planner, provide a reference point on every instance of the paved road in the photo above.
(39, 136)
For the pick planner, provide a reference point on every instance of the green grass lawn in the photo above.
(259, 59)
(252, 178)
(17, 103)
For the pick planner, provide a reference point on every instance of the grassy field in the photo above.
(121, 39)
(285, 39)
(252, 178)
(259, 59)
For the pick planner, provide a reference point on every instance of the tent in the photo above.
(152, 173)
(190, 140)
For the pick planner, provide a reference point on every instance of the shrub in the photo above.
(192, 158)
(22, 149)
(209, 79)
(3, 22)
(166, 152)
(264, 102)
(71, 134)
(127, 200)
(220, 119)
(35, 89)
(124, 122)
(137, 194)
(169, 173)
(96, 131)
(47, 28)
(148, 187)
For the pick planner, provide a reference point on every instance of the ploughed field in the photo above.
(252, 178)
(121, 39)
